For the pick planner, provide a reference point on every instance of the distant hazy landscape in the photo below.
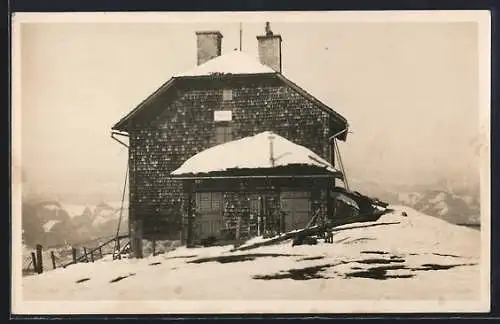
(453, 201)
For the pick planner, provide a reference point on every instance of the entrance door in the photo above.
(209, 207)
(297, 208)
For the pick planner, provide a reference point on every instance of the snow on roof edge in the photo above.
(251, 152)
(235, 62)
(232, 63)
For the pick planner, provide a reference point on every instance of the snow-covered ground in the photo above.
(416, 257)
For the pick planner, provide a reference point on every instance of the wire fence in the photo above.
(103, 248)
(28, 267)
(61, 256)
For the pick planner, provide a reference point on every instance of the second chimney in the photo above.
(270, 49)
(209, 45)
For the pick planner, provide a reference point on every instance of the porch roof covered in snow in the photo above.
(233, 65)
(250, 157)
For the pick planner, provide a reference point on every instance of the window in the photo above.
(223, 117)
(209, 201)
(227, 94)
(223, 134)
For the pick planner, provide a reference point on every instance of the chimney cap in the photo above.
(209, 32)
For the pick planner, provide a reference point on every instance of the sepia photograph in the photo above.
(251, 162)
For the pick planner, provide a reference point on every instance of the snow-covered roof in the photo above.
(345, 199)
(235, 62)
(252, 153)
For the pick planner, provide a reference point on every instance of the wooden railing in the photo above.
(34, 263)
(90, 253)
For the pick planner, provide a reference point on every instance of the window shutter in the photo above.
(223, 134)
(227, 94)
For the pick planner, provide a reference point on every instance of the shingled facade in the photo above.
(228, 97)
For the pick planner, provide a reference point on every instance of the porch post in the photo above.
(189, 213)
(330, 184)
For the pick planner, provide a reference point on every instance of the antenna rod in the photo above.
(241, 33)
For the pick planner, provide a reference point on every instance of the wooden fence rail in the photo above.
(92, 251)
(35, 260)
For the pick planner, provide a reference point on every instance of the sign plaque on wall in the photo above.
(223, 115)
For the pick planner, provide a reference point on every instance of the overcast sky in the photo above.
(409, 91)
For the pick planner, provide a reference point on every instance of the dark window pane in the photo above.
(216, 201)
(209, 201)
(204, 201)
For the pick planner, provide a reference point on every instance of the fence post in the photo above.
(92, 255)
(118, 247)
(33, 260)
(85, 253)
(100, 252)
(154, 247)
(39, 258)
(73, 252)
(53, 257)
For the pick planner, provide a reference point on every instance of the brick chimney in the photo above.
(209, 45)
(270, 49)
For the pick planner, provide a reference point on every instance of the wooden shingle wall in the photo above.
(184, 126)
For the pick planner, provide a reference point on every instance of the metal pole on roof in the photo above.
(271, 150)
